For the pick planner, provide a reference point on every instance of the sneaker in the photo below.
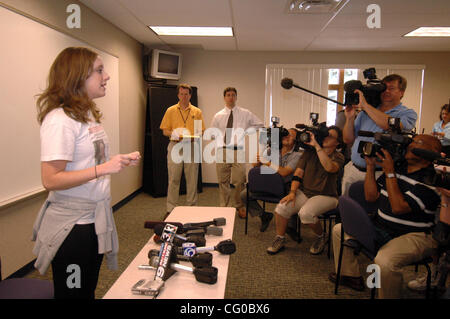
(420, 283)
(277, 245)
(265, 220)
(318, 245)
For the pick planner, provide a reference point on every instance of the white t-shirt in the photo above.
(83, 146)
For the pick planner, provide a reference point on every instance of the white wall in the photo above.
(212, 71)
(16, 221)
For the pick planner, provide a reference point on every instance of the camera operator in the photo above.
(374, 120)
(288, 162)
(313, 189)
(406, 210)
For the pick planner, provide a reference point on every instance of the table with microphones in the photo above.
(187, 257)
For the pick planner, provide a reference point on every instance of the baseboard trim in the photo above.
(22, 272)
(210, 184)
(126, 199)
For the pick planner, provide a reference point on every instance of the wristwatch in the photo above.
(390, 175)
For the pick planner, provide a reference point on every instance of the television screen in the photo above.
(168, 63)
(165, 65)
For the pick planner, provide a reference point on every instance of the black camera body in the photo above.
(267, 134)
(439, 179)
(319, 130)
(393, 140)
(371, 90)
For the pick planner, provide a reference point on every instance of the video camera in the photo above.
(319, 130)
(393, 140)
(267, 134)
(371, 91)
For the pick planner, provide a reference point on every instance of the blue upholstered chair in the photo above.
(25, 288)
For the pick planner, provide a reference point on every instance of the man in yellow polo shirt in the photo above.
(179, 124)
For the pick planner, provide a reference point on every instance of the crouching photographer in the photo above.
(373, 118)
(313, 189)
(405, 210)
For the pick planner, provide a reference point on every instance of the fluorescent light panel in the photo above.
(429, 32)
(194, 31)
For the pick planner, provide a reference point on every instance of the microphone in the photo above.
(205, 274)
(225, 247)
(178, 239)
(301, 126)
(287, 83)
(220, 221)
(209, 230)
(152, 224)
(198, 260)
(166, 253)
(431, 156)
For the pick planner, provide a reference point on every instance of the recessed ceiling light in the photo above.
(194, 31)
(429, 32)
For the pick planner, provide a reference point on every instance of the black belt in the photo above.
(233, 147)
(363, 169)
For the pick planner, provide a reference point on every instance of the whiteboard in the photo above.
(28, 49)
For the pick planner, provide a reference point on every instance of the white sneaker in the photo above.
(420, 283)
(319, 244)
(277, 245)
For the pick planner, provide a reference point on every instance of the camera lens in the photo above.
(304, 137)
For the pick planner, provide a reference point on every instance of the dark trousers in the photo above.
(76, 265)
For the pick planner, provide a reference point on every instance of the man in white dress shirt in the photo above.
(232, 121)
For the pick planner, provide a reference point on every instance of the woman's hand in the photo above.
(117, 163)
(288, 198)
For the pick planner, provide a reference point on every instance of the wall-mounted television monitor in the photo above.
(165, 65)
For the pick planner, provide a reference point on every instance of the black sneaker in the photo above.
(265, 221)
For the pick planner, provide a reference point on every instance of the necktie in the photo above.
(229, 126)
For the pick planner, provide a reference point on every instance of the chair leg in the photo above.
(299, 228)
(329, 239)
(338, 274)
(427, 291)
(372, 292)
(246, 211)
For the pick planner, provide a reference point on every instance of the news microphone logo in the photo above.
(167, 236)
(189, 249)
(168, 232)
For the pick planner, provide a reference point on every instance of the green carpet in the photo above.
(291, 274)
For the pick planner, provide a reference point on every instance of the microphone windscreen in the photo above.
(159, 229)
(426, 154)
(287, 83)
(220, 221)
(352, 85)
(154, 261)
(226, 247)
(153, 252)
(301, 126)
(215, 231)
(150, 225)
